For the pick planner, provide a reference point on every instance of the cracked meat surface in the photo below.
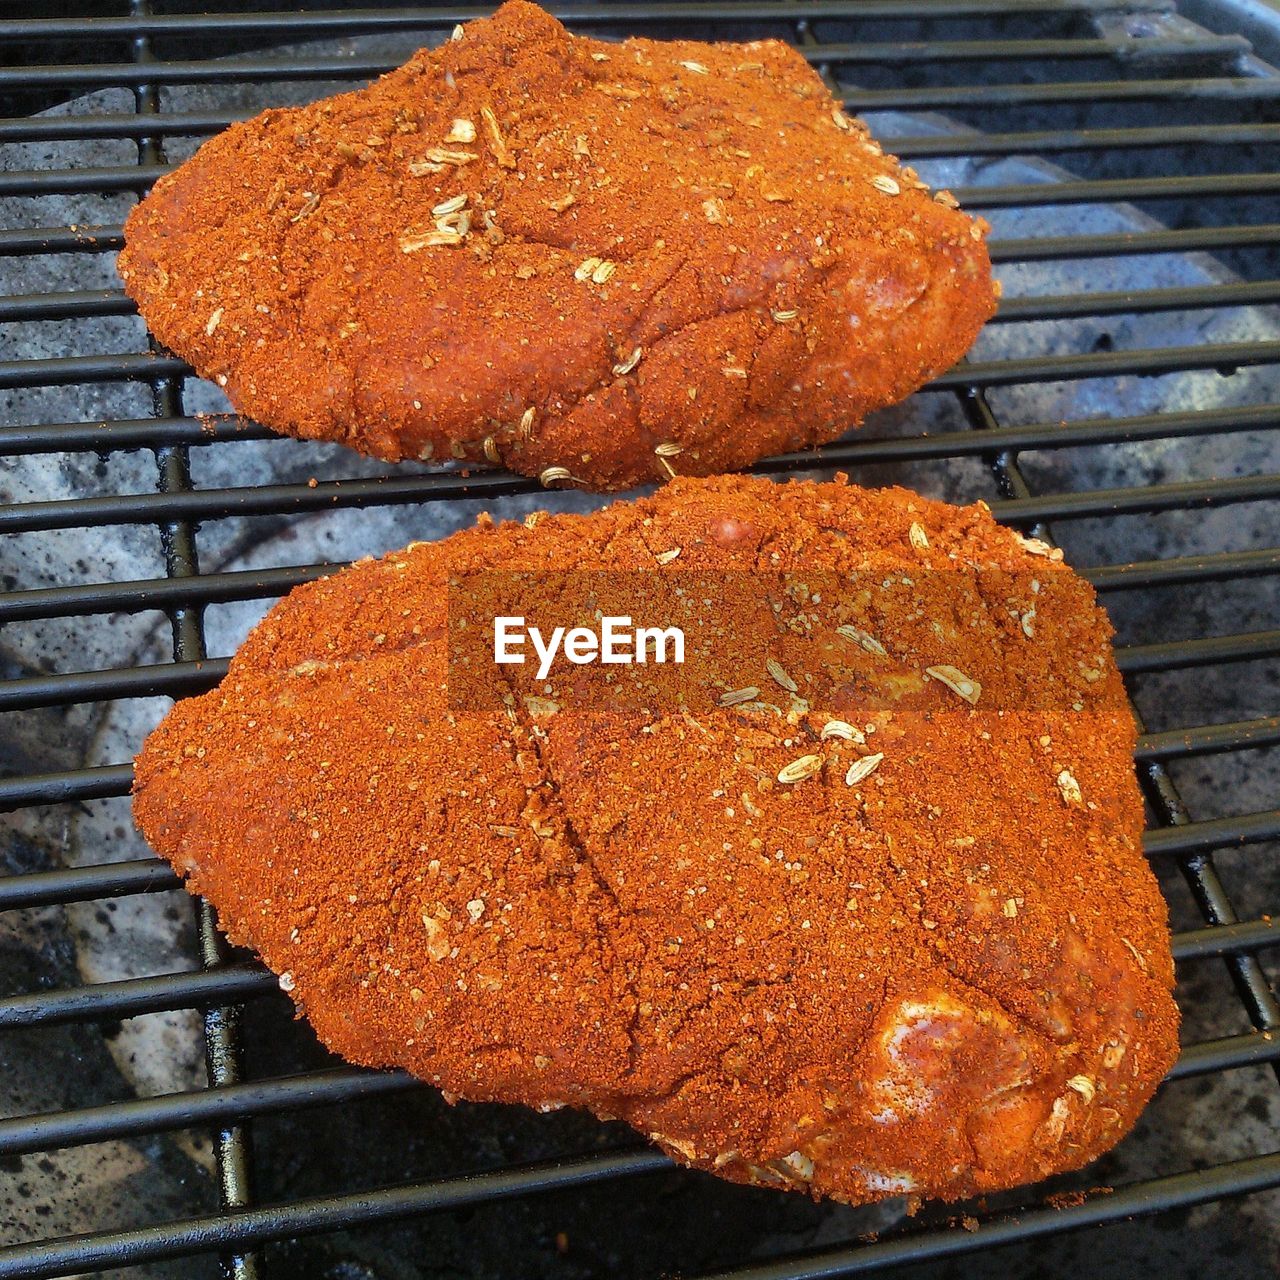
(950, 976)
(550, 251)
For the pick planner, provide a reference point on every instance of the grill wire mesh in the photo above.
(1106, 105)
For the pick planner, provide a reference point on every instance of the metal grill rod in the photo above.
(157, 593)
(66, 688)
(1215, 566)
(55, 371)
(1217, 940)
(88, 181)
(1161, 497)
(221, 1021)
(201, 1107)
(270, 69)
(1209, 739)
(80, 303)
(1203, 1057)
(107, 238)
(1120, 243)
(313, 1215)
(1050, 141)
(1134, 301)
(104, 436)
(149, 875)
(1196, 857)
(1119, 190)
(256, 584)
(63, 788)
(181, 679)
(203, 989)
(131, 997)
(85, 884)
(1170, 655)
(857, 448)
(1212, 833)
(1182, 1190)
(213, 504)
(197, 124)
(331, 1213)
(1230, 1053)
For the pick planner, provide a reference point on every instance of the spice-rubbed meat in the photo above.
(617, 260)
(867, 915)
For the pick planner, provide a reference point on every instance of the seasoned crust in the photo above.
(951, 977)
(776, 296)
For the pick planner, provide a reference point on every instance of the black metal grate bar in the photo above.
(252, 1227)
(1174, 838)
(43, 240)
(991, 96)
(221, 1021)
(212, 504)
(1133, 73)
(108, 238)
(1209, 650)
(114, 302)
(182, 679)
(148, 1117)
(1253, 1049)
(101, 437)
(1220, 940)
(156, 593)
(1047, 142)
(1189, 838)
(909, 147)
(319, 22)
(74, 370)
(170, 680)
(1109, 303)
(254, 584)
(38, 182)
(1208, 739)
(94, 75)
(20, 1134)
(1109, 190)
(65, 306)
(129, 997)
(137, 433)
(201, 1107)
(202, 989)
(1178, 570)
(1183, 1190)
(64, 787)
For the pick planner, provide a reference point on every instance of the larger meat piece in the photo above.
(868, 914)
(599, 263)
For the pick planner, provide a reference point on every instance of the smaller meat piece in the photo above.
(599, 263)
(867, 915)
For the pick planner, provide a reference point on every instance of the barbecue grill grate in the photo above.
(1145, 109)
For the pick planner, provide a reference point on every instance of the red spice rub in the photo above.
(949, 975)
(555, 252)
